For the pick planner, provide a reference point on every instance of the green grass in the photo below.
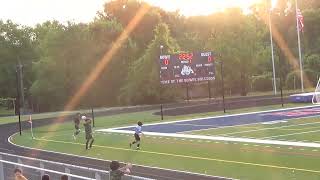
(236, 160)
(6, 111)
(208, 157)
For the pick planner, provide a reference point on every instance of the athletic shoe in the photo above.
(138, 148)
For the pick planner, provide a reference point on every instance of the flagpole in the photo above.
(299, 46)
(272, 55)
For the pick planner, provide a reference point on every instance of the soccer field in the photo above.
(235, 159)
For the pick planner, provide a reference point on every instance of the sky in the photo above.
(31, 12)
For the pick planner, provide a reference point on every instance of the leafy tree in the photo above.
(143, 79)
(228, 40)
(124, 12)
(16, 46)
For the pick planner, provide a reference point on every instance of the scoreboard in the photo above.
(187, 67)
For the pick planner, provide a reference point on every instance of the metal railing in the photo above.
(34, 168)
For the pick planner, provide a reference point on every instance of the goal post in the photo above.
(316, 95)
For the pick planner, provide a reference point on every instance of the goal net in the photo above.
(316, 95)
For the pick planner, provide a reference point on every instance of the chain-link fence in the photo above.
(33, 169)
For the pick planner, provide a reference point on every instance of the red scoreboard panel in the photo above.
(187, 67)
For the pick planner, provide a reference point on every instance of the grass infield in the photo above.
(218, 158)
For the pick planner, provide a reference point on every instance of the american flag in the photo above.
(300, 20)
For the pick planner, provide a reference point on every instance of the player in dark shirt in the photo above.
(76, 121)
(88, 131)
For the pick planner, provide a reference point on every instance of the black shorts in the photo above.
(89, 136)
(137, 137)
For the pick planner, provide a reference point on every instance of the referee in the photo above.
(137, 132)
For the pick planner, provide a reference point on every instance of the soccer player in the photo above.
(76, 121)
(88, 130)
(137, 132)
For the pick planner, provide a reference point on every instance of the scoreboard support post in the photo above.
(161, 102)
(187, 84)
(222, 84)
(161, 110)
(209, 90)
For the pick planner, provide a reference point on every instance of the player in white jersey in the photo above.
(137, 132)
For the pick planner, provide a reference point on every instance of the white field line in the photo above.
(231, 115)
(222, 127)
(92, 158)
(219, 138)
(196, 125)
(306, 132)
(262, 129)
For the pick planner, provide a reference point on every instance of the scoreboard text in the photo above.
(187, 67)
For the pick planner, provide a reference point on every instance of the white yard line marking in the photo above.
(240, 132)
(292, 134)
(231, 115)
(193, 125)
(228, 139)
(79, 156)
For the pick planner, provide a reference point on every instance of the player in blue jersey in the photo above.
(137, 132)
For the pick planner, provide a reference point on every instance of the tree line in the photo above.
(57, 58)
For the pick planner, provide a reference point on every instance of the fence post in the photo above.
(97, 176)
(67, 170)
(41, 171)
(1, 169)
(19, 161)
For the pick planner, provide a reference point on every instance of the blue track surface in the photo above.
(232, 120)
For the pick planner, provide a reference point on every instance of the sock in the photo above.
(91, 143)
(87, 143)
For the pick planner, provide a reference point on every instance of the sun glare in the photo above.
(202, 7)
